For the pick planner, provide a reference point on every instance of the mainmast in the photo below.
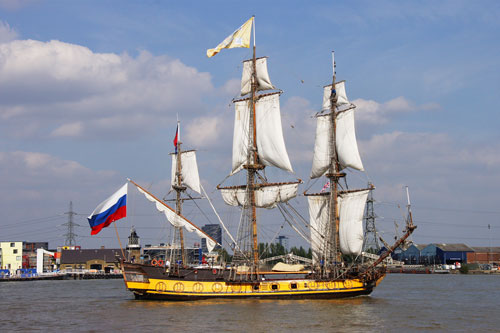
(257, 142)
(253, 165)
(334, 176)
(179, 188)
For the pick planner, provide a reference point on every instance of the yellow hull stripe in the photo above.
(266, 288)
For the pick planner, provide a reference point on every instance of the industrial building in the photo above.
(445, 253)
(484, 255)
(411, 256)
(106, 260)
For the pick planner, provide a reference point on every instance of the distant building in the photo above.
(33, 246)
(214, 231)
(133, 246)
(283, 241)
(484, 255)
(12, 255)
(445, 253)
(99, 259)
(412, 255)
(29, 252)
(167, 252)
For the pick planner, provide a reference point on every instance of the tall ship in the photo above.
(335, 214)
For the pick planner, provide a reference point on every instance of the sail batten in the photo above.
(189, 170)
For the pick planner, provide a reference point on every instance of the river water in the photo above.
(401, 302)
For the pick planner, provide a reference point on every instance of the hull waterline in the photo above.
(153, 283)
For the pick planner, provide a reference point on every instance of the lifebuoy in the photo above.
(195, 271)
(214, 271)
(160, 263)
(154, 262)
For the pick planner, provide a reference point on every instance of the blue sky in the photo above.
(90, 91)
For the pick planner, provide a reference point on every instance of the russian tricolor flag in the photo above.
(177, 136)
(110, 210)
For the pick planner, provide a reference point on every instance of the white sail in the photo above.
(265, 197)
(263, 80)
(321, 157)
(346, 144)
(351, 209)
(189, 170)
(270, 142)
(341, 95)
(240, 135)
(318, 220)
(178, 220)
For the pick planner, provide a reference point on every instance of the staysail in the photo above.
(270, 142)
(176, 220)
(189, 170)
(265, 197)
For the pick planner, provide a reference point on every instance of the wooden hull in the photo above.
(147, 282)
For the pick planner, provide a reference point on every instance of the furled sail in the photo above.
(346, 144)
(318, 220)
(265, 197)
(189, 170)
(176, 220)
(341, 95)
(270, 142)
(263, 80)
(351, 210)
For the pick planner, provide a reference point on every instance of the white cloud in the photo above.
(56, 85)
(69, 130)
(49, 180)
(203, 131)
(7, 34)
(373, 112)
(438, 166)
(232, 87)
